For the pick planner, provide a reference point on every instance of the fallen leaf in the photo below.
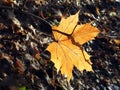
(115, 41)
(9, 2)
(20, 66)
(66, 51)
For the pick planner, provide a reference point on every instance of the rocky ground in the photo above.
(25, 32)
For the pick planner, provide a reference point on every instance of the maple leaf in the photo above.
(66, 51)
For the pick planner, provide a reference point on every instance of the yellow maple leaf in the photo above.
(66, 51)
